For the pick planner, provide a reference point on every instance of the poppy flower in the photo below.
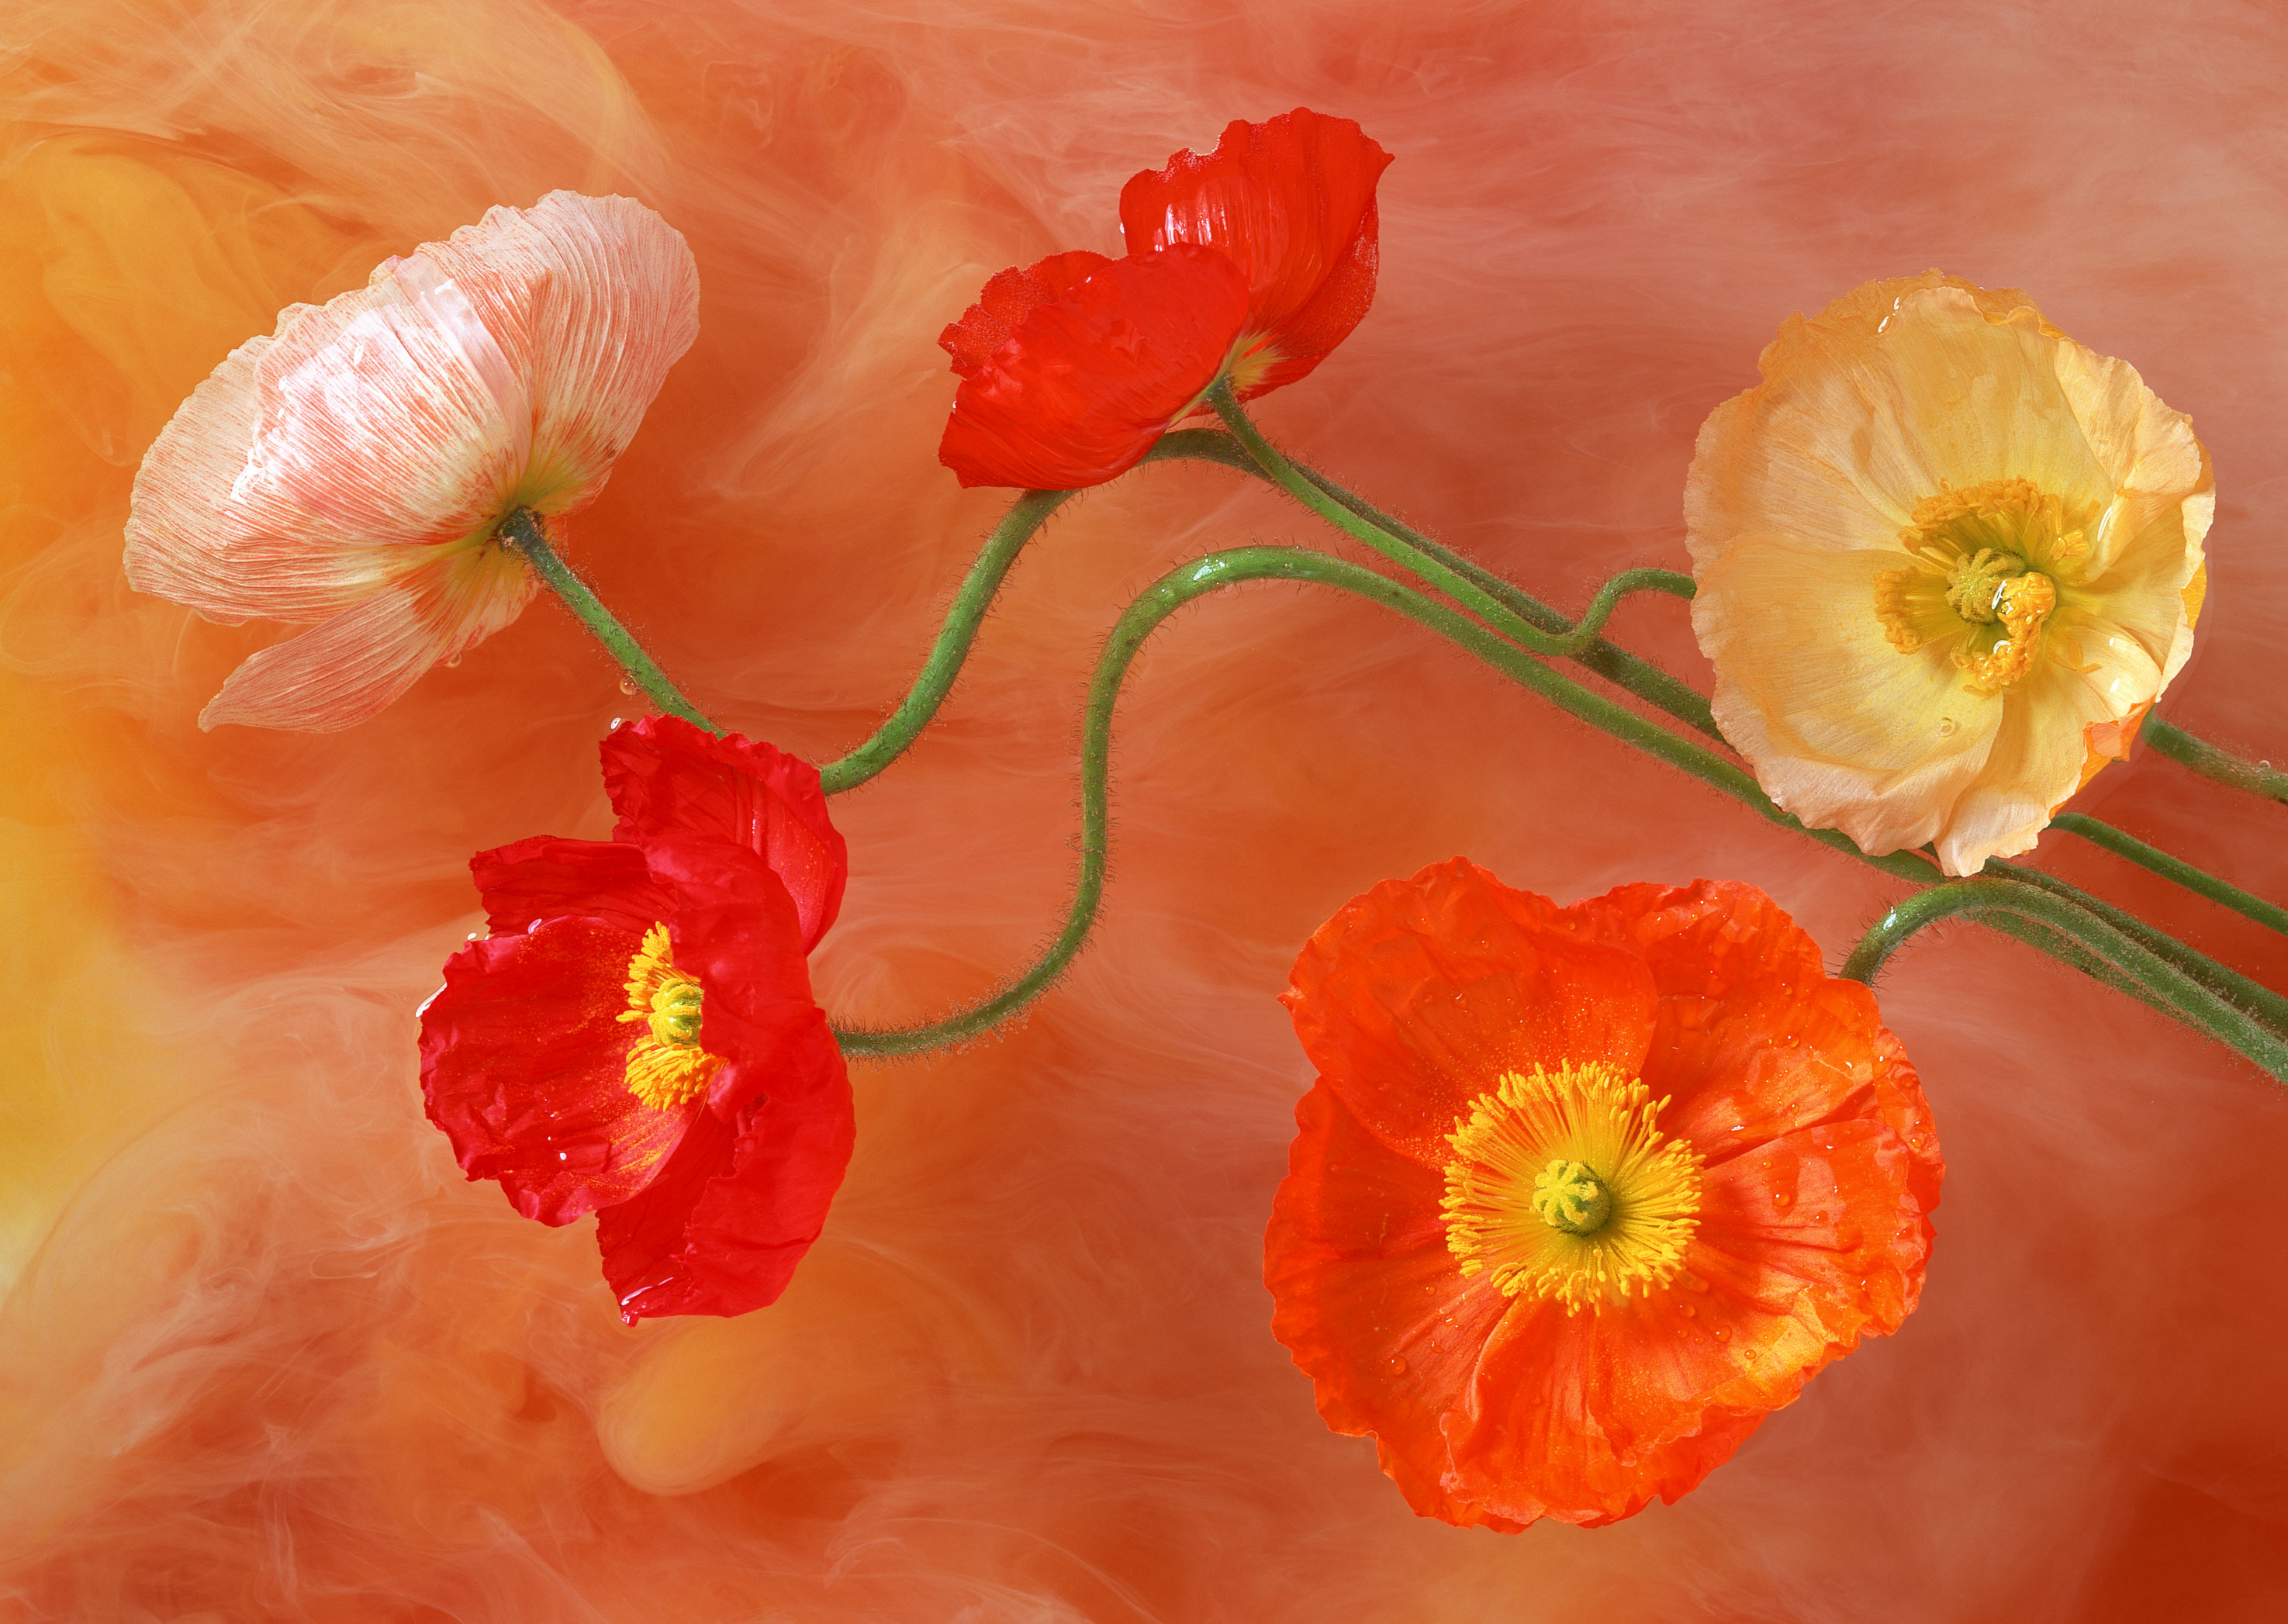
(1947, 560)
(352, 468)
(1255, 261)
(1581, 1195)
(1291, 202)
(637, 1038)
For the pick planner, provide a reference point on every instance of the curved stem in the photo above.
(1988, 895)
(2199, 881)
(2256, 777)
(978, 590)
(521, 531)
(1608, 661)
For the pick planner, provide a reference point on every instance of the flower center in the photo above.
(1561, 1186)
(666, 1067)
(1986, 559)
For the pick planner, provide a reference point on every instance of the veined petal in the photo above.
(1089, 381)
(1292, 201)
(667, 778)
(1009, 297)
(2042, 745)
(1418, 995)
(594, 298)
(547, 876)
(524, 1063)
(342, 672)
(1842, 729)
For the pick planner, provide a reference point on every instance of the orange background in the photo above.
(265, 1356)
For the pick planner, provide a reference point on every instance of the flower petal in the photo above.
(1090, 380)
(1377, 1314)
(723, 1227)
(1416, 997)
(1754, 1040)
(667, 778)
(2042, 745)
(1841, 728)
(736, 929)
(595, 298)
(1582, 1418)
(524, 1064)
(546, 876)
(1009, 297)
(1292, 201)
(346, 670)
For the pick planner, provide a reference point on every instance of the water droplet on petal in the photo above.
(1723, 1333)
(1397, 1366)
(1946, 727)
(1687, 1310)
(455, 660)
(1781, 1197)
(628, 685)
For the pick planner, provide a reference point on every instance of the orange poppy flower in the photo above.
(1582, 1194)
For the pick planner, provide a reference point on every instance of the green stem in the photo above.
(2256, 777)
(2199, 881)
(1983, 895)
(2262, 1002)
(522, 531)
(954, 639)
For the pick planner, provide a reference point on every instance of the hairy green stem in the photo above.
(1986, 895)
(2199, 881)
(2257, 777)
(967, 612)
(522, 530)
(1219, 570)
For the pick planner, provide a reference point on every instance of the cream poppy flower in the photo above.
(1947, 560)
(350, 469)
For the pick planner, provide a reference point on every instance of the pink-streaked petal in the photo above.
(594, 298)
(344, 672)
(546, 876)
(524, 1062)
(668, 778)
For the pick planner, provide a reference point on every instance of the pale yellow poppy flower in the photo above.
(1947, 559)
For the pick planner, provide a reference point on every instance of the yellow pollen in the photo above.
(1563, 1186)
(1986, 559)
(666, 1067)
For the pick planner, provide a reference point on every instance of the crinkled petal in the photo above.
(667, 778)
(1841, 728)
(1009, 297)
(1367, 1298)
(1417, 996)
(547, 875)
(1089, 381)
(524, 1064)
(1292, 201)
(1753, 1040)
(346, 670)
(596, 298)
(2043, 744)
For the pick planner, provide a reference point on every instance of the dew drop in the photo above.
(455, 660)
(628, 685)
(1819, 1217)
(1781, 1197)
(1723, 1333)
(1946, 727)
(1687, 1310)
(1692, 1282)
(1397, 1366)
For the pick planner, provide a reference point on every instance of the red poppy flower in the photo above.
(1073, 367)
(1582, 1194)
(637, 1038)
(1290, 201)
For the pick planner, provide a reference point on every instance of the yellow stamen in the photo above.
(1986, 558)
(666, 1066)
(1563, 1186)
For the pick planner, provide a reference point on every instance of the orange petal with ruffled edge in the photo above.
(355, 462)
(1416, 997)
